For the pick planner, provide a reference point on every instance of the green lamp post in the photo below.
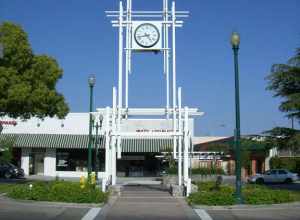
(235, 42)
(91, 81)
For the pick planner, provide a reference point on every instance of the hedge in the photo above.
(252, 194)
(58, 191)
(206, 195)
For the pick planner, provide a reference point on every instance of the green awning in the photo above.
(72, 141)
(146, 144)
(48, 140)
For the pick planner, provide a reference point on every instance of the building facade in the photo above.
(54, 147)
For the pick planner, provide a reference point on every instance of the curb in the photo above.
(52, 204)
(189, 211)
(242, 207)
(106, 208)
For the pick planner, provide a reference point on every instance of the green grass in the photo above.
(56, 191)
(5, 187)
(252, 194)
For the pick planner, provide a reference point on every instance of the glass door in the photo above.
(39, 163)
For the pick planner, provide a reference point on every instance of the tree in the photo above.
(247, 145)
(27, 81)
(284, 81)
(284, 138)
(6, 145)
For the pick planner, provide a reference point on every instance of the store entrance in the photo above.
(138, 165)
(39, 163)
(36, 162)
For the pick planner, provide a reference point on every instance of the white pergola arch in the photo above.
(113, 116)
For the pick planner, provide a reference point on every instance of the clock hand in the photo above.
(140, 36)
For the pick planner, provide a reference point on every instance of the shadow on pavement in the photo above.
(138, 187)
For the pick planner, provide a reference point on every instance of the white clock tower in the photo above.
(147, 31)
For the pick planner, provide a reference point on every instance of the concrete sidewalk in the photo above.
(148, 202)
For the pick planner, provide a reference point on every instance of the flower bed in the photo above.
(252, 194)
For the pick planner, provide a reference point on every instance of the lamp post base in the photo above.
(238, 199)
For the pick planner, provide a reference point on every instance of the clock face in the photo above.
(146, 35)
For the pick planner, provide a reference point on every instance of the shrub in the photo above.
(172, 170)
(252, 194)
(211, 198)
(59, 191)
(292, 164)
(200, 171)
(208, 171)
(5, 187)
(206, 195)
(256, 195)
(275, 163)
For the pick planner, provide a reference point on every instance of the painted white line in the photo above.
(203, 214)
(91, 214)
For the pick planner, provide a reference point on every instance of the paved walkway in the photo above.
(149, 202)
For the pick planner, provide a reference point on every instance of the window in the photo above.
(267, 172)
(71, 160)
(76, 160)
(282, 172)
(62, 161)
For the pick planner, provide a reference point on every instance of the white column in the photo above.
(166, 55)
(107, 157)
(127, 53)
(114, 161)
(174, 130)
(120, 67)
(186, 147)
(179, 139)
(25, 160)
(130, 37)
(50, 162)
(174, 78)
(174, 54)
(272, 153)
(120, 88)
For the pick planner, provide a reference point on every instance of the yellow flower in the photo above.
(82, 182)
(93, 178)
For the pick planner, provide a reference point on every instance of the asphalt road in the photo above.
(12, 210)
(277, 213)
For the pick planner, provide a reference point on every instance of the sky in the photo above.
(80, 36)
